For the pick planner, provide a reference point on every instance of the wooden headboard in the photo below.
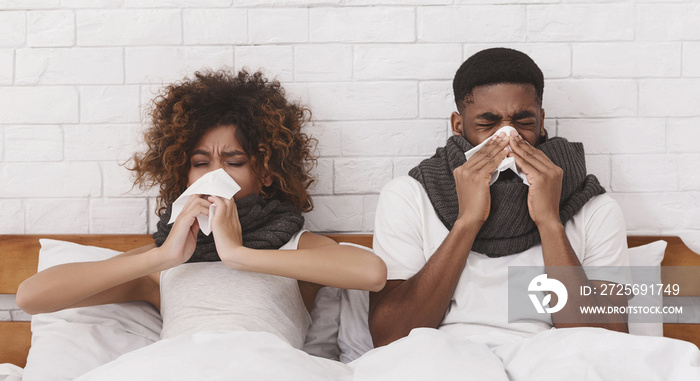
(19, 256)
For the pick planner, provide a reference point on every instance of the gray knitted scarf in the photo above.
(265, 224)
(508, 228)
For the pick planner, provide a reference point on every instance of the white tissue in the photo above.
(506, 164)
(214, 183)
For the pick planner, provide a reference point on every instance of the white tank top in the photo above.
(209, 296)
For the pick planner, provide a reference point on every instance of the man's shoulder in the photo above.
(405, 186)
(600, 202)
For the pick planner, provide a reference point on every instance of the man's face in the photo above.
(496, 106)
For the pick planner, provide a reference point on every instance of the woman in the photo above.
(243, 124)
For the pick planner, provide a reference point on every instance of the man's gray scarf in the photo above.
(265, 224)
(508, 228)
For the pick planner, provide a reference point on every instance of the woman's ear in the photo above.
(267, 181)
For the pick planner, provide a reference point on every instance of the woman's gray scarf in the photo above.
(508, 228)
(265, 224)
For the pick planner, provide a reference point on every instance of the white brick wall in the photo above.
(622, 76)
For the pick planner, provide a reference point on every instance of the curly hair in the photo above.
(268, 128)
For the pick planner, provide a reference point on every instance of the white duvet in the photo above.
(426, 354)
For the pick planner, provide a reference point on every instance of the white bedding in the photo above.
(426, 354)
(10, 372)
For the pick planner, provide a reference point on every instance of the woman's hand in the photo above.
(182, 240)
(226, 228)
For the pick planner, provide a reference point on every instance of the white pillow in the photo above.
(322, 336)
(354, 338)
(649, 256)
(68, 343)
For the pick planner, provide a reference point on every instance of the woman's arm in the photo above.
(318, 260)
(118, 279)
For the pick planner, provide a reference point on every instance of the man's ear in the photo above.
(542, 131)
(457, 124)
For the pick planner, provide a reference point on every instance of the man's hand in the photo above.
(545, 180)
(473, 177)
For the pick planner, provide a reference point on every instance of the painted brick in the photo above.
(296, 92)
(425, 61)
(11, 217)
(329, 137)
(370, 206)
(361, 175)
(152, 217)
(554, 59)
(118, 216)
(215, 26)
(403, 165)
(57, 216)
(362, 24)
(336, 213)
(601, 136)
(269, 26)
(689, 172)
(325, 62)
(19, 315)
(667, 22)
(392, 138)
(160, 65)
(5, 315)
(61, 179)
(39, 104)
(101, 141)
(28, 4)
(590, 98)
(683, 135)
(129, 27)
(669, 97)
(92, 3)
(471, 24)
(691, 59)
(99, 104)
(34, 143)
(323, 174)
(119, 181)
(50, 28)
(285, 3)
(364, 100)
(7, 302)
(7, 66)
(659, 211)
(599, 165)
(395, 2)
(581, 22)
(436, 99)
(177, 3)
(625, 60)
(275, 61)
(57, 66)
(13, 28)
(644, 173)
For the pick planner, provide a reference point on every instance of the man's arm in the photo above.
(560, 260)
(423, 299)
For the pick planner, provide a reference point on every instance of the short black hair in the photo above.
(495, 66)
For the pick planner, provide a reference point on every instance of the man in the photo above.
(452, 230)
(448, 236)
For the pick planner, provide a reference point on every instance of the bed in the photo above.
(19, 257)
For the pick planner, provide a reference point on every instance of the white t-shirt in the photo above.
(408, 232)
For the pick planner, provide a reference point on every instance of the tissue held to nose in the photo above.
(507, 164)
(214, 183)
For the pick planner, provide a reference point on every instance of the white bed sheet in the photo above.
(10, 372)
(426, 354)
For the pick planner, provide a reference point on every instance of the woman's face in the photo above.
(219, 148)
